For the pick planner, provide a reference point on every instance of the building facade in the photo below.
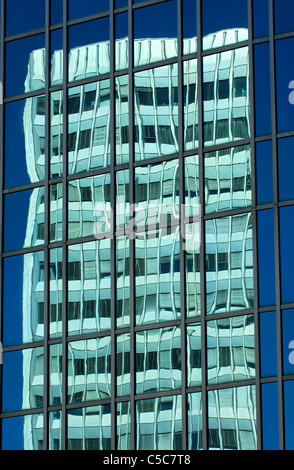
(146, 256)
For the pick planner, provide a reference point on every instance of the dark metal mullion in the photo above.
(2, 26)
(254, 225)
(64, 233)
(113, 221)
(182, 227)
(131, 240)
(276, 227)
(46, 230)
(204, 396)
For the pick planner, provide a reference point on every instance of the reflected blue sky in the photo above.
(30, 15)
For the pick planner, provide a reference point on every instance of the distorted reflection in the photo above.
(89, 369)
(159, 423)
(157, 277)
(190, 104)
(229, 263)
(23, 299)
(226, 97)
(55, 430)
(23, 379)
(55, 374)
(194, 355)
(55, 293)
(123, 378)
(89, 287)
(89, 428)
(123, 425)
(194, 406)
(230, 349)
(228, 179)
(123, 282)
(158, 360)
(156, 112)
(232, 418)
(23, 432)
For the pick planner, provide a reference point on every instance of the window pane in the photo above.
(260, 18)
(29, 54)
(266, 257)
(23, 304)
(122, 119)
(158, 360)
(55, 374)
(288, 344)
(55, 298)
(148, 24)
(264, 172)
(262, 88)
(23, 432)
(283, 15)
(78, 9)
(190, 105)
(89, 287)
(189, 27)
(194, 421)
(123, 365)
(226, 16)
(270, 416)
(24, 16)
(23, 379)
(287, 253)
(89, 383)
(123, 428)
(228, 179)
(229, 283)
(232, 418)
(285, 84)
(121, 41)
(123, 282)
(89, 428)
(194, 355)
(159, 424)
(285, 152)
(268, 344)
(230, 349)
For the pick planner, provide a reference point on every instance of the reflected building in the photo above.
(135, 263)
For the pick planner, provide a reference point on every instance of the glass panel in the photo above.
(285, 84)
(229, 264)
(27, 208)
(270, 416)
(155, 39)
(232, 418)
(78, 9)
(157, 277)
(230, 349)
(156, 112)
(190, 105)
(56, 38)
(55, 298)
(89, 370)
(88, 127)
(55, 430)
(189, 27)
(89, 49)
(260, 18)
(285, 160)
(226, 97)
(227, 25)
(192, 186)
(123, 380)
(288, 341)
(89, 428)
(158, 360)
(159, 423)
(23, 299)
(23, 433)
(23, 379)
(89, 290)
(122, 119)
(29, 55)
(194, 421)
(123, 282)
(121, 41)
(56, 212)
(289, 414)
(192, 262)
(266, 257)
(287, 253)
(55, 375)
(157, 194)
(264, 172)
(24, 16)
(228, 179)
(122, 200)
(194, 355)
(89, 211)
(268, 344)
(262, 88)
(56, 134)
(25, 141)
(123, 429)
(120, 3)
(56, 11)
(283, 16)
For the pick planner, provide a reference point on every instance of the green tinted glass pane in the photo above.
(23, 432)
(55, 377)
(123, 380)
(194, 421)
(123, 428)
(194, 355)
(89, 428)
(55, 297)
(158, 360)
(123, 282)
(122, 119)
(190, 105)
